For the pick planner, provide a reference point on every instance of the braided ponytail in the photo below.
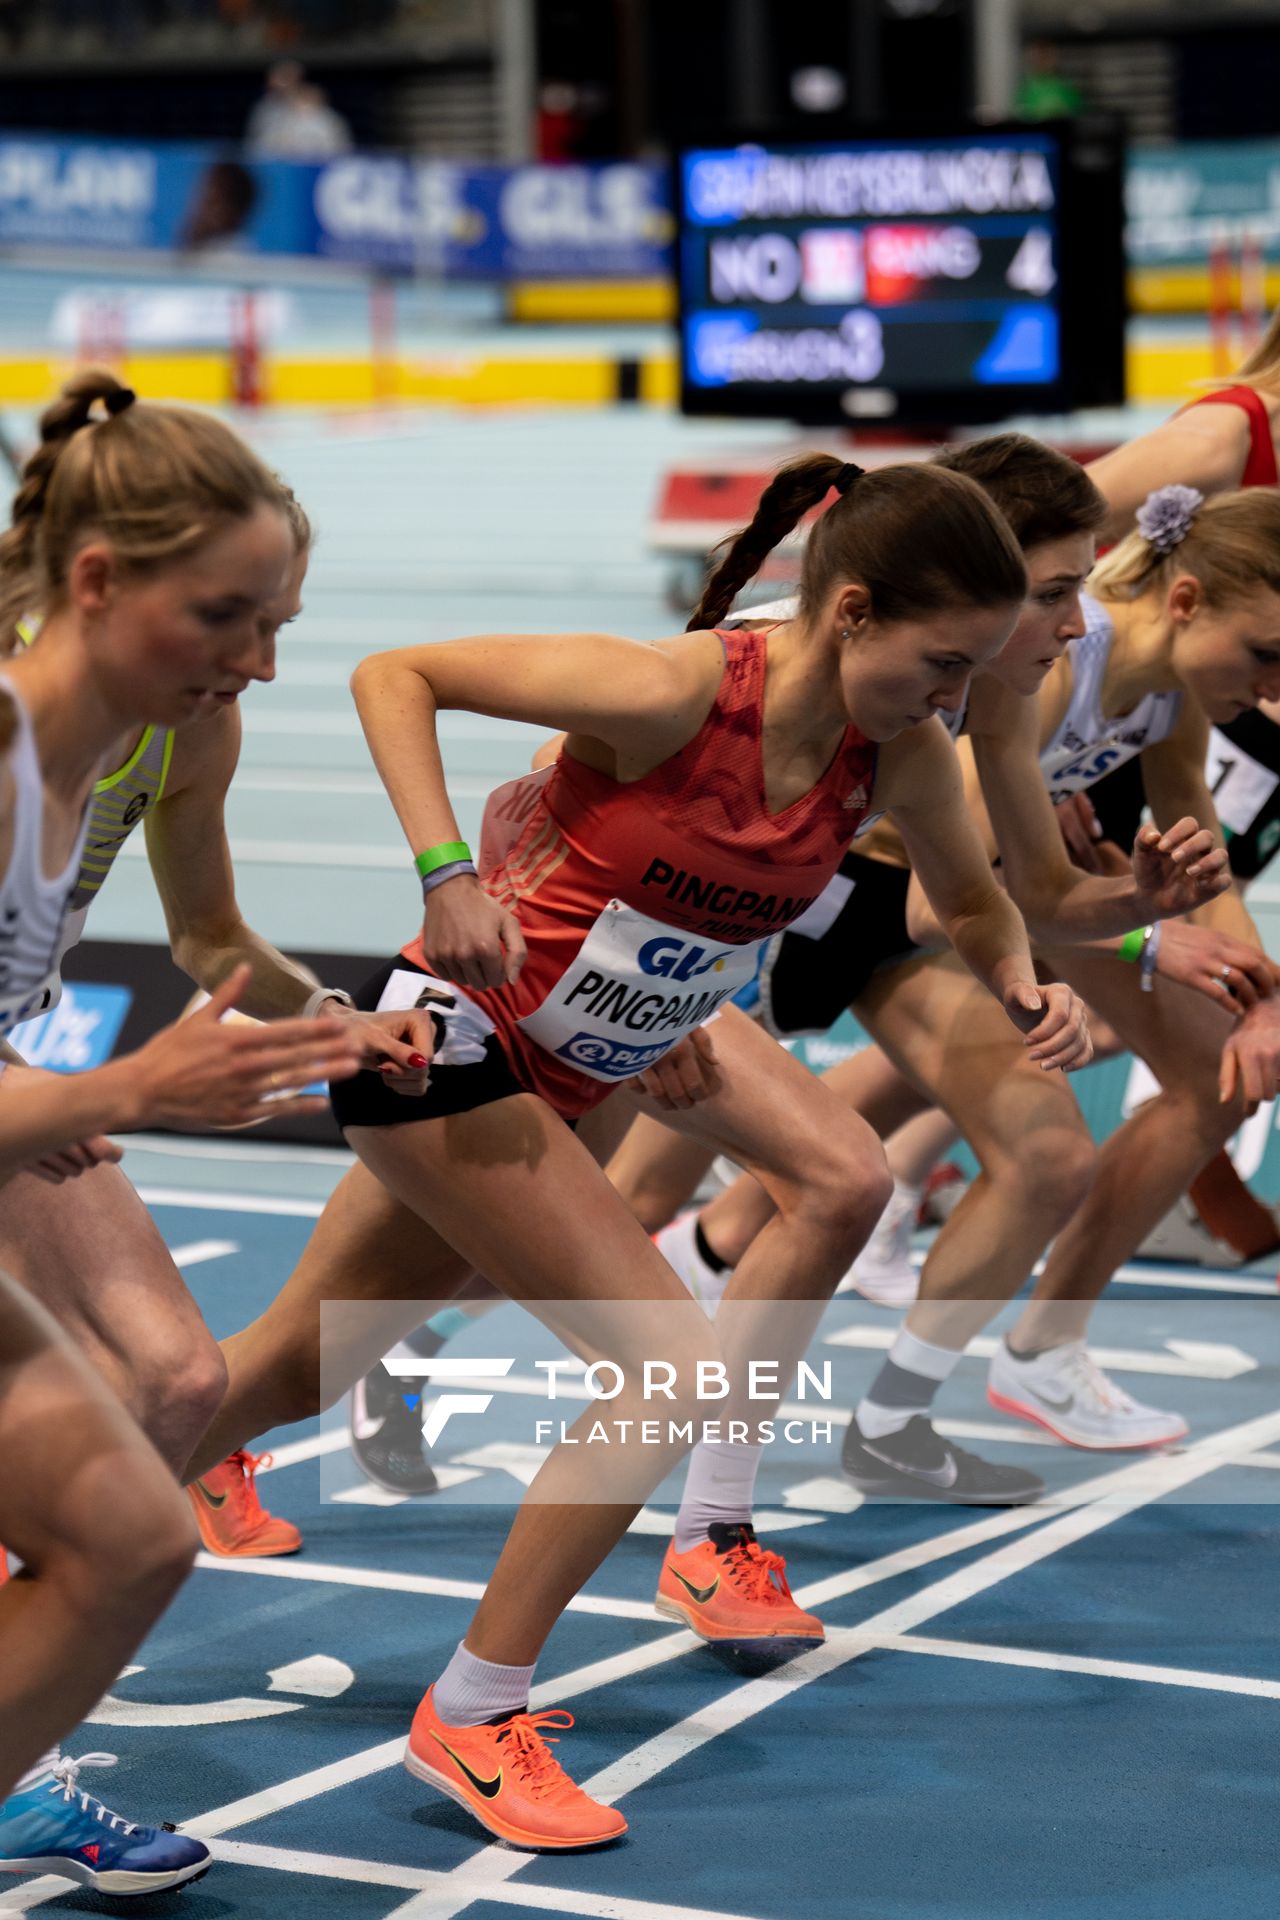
(920, 539)
(153, 482)
(793, 490)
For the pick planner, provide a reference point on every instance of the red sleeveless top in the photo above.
(1260, 468)
(644, 904)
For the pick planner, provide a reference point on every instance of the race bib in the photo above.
(635, 988)
(1241, 786)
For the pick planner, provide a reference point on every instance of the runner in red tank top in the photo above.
(694, 873)
(707, 789)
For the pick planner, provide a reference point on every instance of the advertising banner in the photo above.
(494, 223)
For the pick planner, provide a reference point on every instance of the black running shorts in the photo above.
(365, 1101)
(819, 966)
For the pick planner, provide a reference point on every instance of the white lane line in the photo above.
(1137, 1485)
(212, 1202)
(433, 1584)
(1191, 1281)
(198, 1251)
(273, 1152)
(301, 853)
(418, 1879)
(1184, 1359)
(295, 1450)
(1077, 1663)
(1132, 1487)
(492, 1866)
(388, 1753)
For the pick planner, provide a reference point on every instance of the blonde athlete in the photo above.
(152, 543)
(163, 1362)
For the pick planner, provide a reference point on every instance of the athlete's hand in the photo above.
(199, 1073)
(1054, 1021)
(1082, 831)
(689, 1073)
(1250, 1069)
(397, 1044)
(1178, 870)
(69, 1162)
(1231, 973)
(469, 938)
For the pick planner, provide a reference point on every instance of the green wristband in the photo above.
(1132, 944)
(444, 855)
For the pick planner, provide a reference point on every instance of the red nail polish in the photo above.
(418, 1060)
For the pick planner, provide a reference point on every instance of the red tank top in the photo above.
(644, 904)
(1260, 468)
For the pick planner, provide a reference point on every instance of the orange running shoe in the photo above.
(503, 1773)
(733, 1592)
(231, 1518)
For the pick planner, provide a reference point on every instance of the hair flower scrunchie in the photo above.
(1165, 516)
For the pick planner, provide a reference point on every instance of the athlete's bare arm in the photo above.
(1180, 869)
(1205, 447)
(625, 706)
(1173, 775)
(208, 935)
(1173, 778)
(918, 779)
(189, 856)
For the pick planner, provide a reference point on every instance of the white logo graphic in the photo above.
(448, 1404)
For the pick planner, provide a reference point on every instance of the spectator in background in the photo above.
(284, 77)
(294, 120)
(1045, 93)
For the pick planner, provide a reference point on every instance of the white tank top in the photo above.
(1086, 744)
(33, 910)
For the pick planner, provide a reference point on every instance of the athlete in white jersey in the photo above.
(174, 785)
(133, 635)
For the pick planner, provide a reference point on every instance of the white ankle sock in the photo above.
(905, 1385)
(720, 1485)
(470, 1691)
(44, 1765)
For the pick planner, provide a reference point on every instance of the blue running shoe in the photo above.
(53, 1827)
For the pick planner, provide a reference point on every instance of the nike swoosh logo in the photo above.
(489, 1789)
(700, 1594)
(1059, 1406)
(943, 1476)
(214, 1500)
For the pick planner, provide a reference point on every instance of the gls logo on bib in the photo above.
(635, 988)
(675, 959)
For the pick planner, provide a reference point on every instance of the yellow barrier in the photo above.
(1155, 372)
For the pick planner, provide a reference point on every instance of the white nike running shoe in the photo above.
(883, 1272)
(1066, 1391)
(678, 1246)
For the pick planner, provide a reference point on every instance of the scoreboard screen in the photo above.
(940, 281)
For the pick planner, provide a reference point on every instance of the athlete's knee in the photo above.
(179, 1391)
(151, 1511)
(847, 1184)
(1046, 1170)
